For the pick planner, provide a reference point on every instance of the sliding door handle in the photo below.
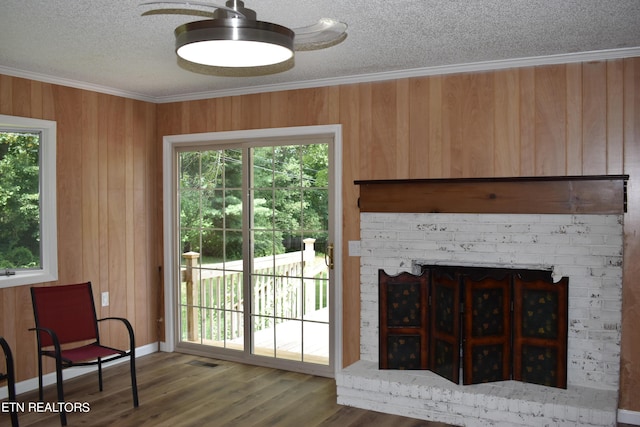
(328, 257)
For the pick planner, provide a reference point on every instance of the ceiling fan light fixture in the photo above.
(234, 42)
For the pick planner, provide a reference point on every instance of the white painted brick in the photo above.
(540, 241)
(378, 235)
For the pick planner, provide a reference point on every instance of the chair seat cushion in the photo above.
(87, 352)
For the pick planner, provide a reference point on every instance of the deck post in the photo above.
(191, 260)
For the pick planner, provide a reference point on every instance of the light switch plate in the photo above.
(105, 299)
(354, 247)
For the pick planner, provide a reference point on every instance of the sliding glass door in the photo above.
(288, 236)
(255, 244)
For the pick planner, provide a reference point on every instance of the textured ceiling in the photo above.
(108, 44)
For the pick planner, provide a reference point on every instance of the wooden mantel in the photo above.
(601, 194)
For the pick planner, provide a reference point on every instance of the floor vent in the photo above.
(203, 364)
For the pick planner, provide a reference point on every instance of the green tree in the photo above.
(19, 200)
(289, 190)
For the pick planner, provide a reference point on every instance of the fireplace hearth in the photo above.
(480, 324)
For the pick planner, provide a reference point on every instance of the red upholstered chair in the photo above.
(67, 330)
(11, 379)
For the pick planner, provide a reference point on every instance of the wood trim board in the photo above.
(601, 194)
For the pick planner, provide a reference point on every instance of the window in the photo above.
(28, 232)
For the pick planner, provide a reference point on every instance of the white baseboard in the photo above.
(48, 379)
(629, 417)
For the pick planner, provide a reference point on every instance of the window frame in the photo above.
(48, 207)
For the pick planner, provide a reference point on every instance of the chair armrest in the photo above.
(52, 334)
(127, 324)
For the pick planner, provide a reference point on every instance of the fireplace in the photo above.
(586, 248)
(475, 325)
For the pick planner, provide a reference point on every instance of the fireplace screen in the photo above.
(496, 324)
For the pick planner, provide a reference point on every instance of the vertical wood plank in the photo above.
(594, 86)
(550, 122)
(130, 215)
(35, 103)
(365, 131)
(333, 106)
(144, 263)
(527, 121)
(48, 102)
(506, 121)
(196, 116)
(382, 150)
(437, 156)
(317, 110)
(615, 116)
(103, 195)
(402, 136)
(279, 103)
(69, 189)
(250, 112)
(21, 104)
(155, 291)
(452, 126)
(6, 95)
(90, 190)
(223, 114)
(419, 124)
(477, 144)
(351, 140)
(574, 119)
(116, 211)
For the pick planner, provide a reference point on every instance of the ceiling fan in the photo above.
(233, 37)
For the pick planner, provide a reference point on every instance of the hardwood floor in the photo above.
(181, 390)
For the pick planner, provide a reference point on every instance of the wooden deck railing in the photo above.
(285, 286)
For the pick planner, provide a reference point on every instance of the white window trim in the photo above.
(48, 207)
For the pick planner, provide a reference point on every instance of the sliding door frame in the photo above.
(172, 144)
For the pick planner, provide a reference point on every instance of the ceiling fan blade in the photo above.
(325, 33)
(194, 3)
(177, 11)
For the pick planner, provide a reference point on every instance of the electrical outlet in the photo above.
(105, 299)
(354, 247)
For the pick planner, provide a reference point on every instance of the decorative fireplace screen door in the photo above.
(500, 324)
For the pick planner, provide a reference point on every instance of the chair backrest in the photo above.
(68, 310)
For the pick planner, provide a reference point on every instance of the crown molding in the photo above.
(568, 58)
(77, 84)
(600, 55)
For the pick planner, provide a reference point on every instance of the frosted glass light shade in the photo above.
(234, 43)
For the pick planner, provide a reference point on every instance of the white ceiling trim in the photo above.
(74, 83)
(600, 55)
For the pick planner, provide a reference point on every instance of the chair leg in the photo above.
(11, 389)
(14, 419)
(40, 390)
(134, 382)
(12, 398)
(100, 374)
(63, 414)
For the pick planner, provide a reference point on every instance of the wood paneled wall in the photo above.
(108, 229)
(575, 119)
